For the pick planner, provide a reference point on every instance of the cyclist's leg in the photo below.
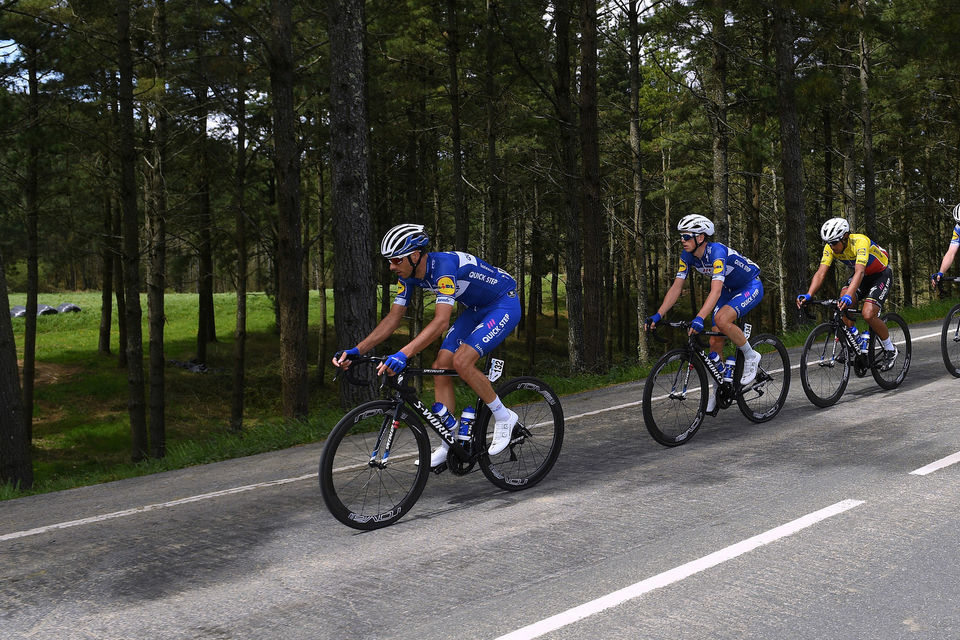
(443, 385)
(874, 291)
(738, 306)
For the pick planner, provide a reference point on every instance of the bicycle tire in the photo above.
(363, 495)
(537, 437)
(900, 333)
(661, 400)
(763, 398)
(950, 341)
(824, 365)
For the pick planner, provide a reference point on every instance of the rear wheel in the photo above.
(889, 374)
(950, 341)
(824, 365)
(763, 398)
(372, 469)
(675, 398)
(537, 436)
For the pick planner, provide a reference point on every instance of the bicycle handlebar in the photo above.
(350, 373)
(682, 324)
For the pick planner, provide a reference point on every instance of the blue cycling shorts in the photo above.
(742, 300)
(484, 329)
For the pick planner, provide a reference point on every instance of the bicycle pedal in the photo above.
(440, 468)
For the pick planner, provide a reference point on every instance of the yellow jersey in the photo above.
(859, 250)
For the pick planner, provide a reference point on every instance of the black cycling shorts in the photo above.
(874, 288)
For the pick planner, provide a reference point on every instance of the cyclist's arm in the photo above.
(948, 258)
(858, 271)
(716, 288)
(384, 328)
(673, 294)
(817, 281)
(435, 329)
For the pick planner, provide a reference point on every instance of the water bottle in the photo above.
(446, 418)
(728, 368)
(466, 422)
(714, 357)
(865, 341)
(856, 335)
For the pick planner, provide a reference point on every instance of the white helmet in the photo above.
(695, 223)
(403, 240)
(956, 214)
(834, 229)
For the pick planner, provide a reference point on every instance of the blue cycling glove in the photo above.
(803, 298)
(697, 324)
(397, 362)
(350, 353)
(846, 299)
(654, 319)
(936, 277)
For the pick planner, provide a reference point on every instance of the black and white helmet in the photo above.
(695, 223)
(834, 229)
(956, 214)
(402, 240)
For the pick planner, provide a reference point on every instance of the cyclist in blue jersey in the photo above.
(951, 250)
(491, 310)
(735, 289)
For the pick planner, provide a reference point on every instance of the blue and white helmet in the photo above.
(956, 214)
(402, 240)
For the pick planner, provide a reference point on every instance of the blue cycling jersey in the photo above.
(461, 277)
(721, 263)
(956, 236)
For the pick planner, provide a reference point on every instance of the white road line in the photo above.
(939, 464)
(250, 487)
(151, 507)
(638, 589)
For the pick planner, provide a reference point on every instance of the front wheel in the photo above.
(763, 398)
(675, 398)
(373, 469)
(889, 371)
(950, 341)
(537, 436)
(825, 365)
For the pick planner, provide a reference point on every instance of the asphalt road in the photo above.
(823, 523)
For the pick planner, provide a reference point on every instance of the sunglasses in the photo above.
(687, 236)
(396, 260)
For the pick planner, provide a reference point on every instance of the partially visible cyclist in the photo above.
(870, 281)
(491, 312)
(735, 289)
(951, 250)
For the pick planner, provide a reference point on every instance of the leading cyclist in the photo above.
(870, 280)
(491, 311)
(735, 289)
(951, 250)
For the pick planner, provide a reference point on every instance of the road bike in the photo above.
(375, 463)
(676, 392)
(950, 335)
(831, 351)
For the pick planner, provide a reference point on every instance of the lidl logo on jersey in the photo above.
(400, 288)
(445, 286)
(683, 265)
(717, 266)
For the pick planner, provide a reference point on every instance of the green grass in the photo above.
(81, 426)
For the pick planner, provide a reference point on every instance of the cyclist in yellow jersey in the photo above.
(870, 281)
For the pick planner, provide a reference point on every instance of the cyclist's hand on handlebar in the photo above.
(802, 299)
(342, 358)
(935, 278)
(696, 326)
(652, 321)
(844, 302)
(394, 364)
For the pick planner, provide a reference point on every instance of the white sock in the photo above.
(747, 350)
(887, 344)
(500, 412)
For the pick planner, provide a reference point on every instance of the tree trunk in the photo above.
(290, 290)
(15, 466)
(869, 177)
(593, 218)
(353, 277)
(240, 236)
(568, 154)
(460, 214)
(718, 103)
(131, 238)
(33, 214)
(795, 249)
(638, 247)
(498, 252)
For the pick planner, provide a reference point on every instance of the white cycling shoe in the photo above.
(502, 431)
(711, 400)
(439, 455)
(750, 366)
